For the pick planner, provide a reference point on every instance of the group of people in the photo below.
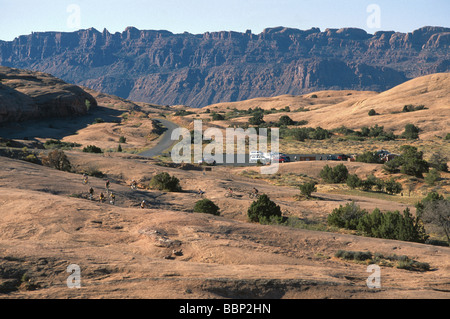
(102, 198)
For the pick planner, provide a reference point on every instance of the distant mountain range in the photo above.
(201, 69)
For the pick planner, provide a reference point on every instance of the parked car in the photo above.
(282, 159)
(207, 161)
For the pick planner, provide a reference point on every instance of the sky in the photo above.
(21, 17)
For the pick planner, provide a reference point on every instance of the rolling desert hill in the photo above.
(332, 109)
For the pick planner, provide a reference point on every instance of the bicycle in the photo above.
(229, 194)
(252, 195)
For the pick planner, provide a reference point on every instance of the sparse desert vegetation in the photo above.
(315, 222)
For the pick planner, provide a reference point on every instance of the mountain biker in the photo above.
(112, 199)
(143, 204)
(133, 184)
(91, 193)
(255, 191)
(200, 192)
(85, 178)
(107, 186)
(102, 197)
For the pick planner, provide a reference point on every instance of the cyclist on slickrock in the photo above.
(107, 186)
(112, 199)
(133, 184)
(91, 193)
(143, 204)
(85, 179)
(102, 197)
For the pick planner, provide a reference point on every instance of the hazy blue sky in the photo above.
(19, 17)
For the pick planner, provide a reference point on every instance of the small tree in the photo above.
(432, 177)
(308, 188)
(206, 206)
(257, 119)
(217, 117)
(393, 187)
(263, 209)
(372, 112)
(122, 140)
(436, 214)
(338, 174)
(285, 120)
(119, 148)
(57, 159)
(353, 181)
(412, 161)
(411, 132)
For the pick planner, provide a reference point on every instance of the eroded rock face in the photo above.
(26, 95)
(165, 68)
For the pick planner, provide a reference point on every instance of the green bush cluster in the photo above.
(263, 209)
(305, 133)
(165, 182)
(388, 225)
(206, 206)
(376, 132)
(389, 186)
(335, 175)
(308, 188)
(52, 144)
(92, 149)
(401, 262)
(410, 162)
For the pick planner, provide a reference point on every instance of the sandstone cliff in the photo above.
(200, 69)
(26, 95)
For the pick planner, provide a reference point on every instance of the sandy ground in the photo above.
(167, 251)
(127, 252)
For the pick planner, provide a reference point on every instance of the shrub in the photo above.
(338, 174)
(439, 162)
(119, 148)
(308, 188)
(263, 209)
(393, 187)
(447, 137)
(432, 177)
(217, 117)
(122, 140)
(206, 206)
(57, 159)
(346, 216)
(164, 181)
(257, 119)
(411, 132)
(285, 120)
(368, 157)
(98, 120)
(353, 181)
(412, 161)
(52, 144)
(92, 149)
(372, 112)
